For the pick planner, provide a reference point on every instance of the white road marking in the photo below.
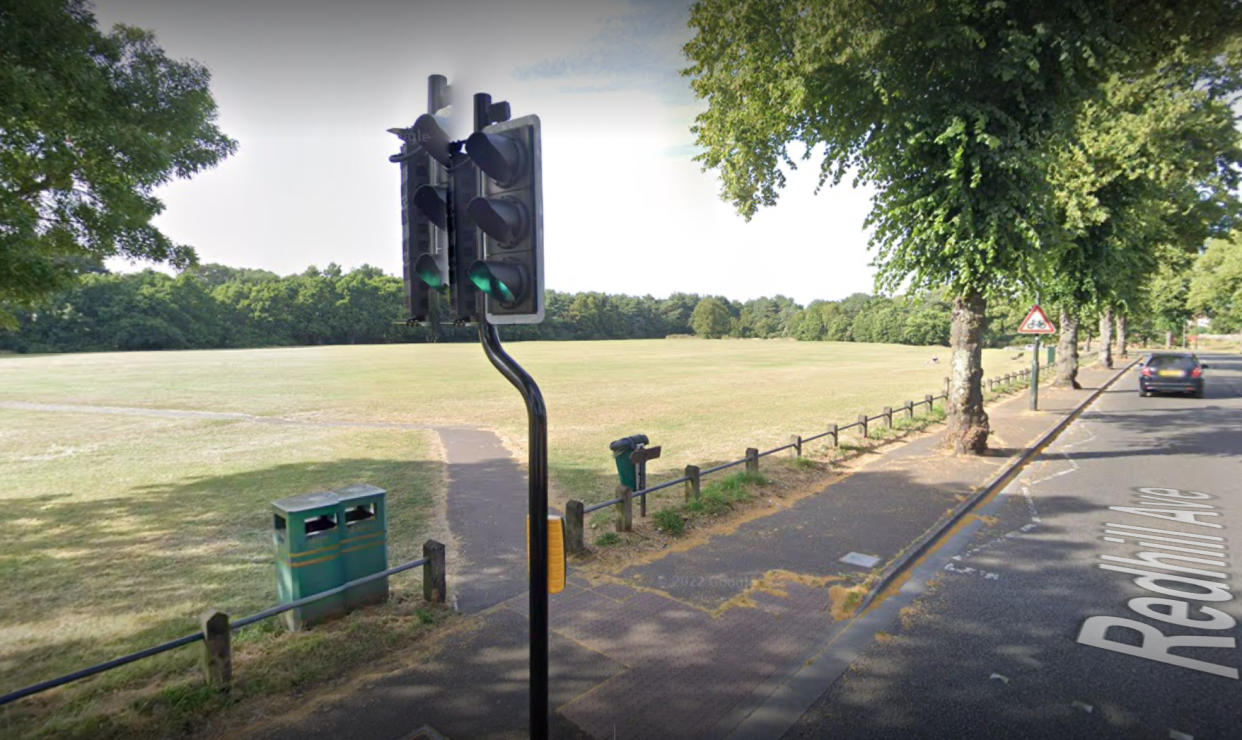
(1025, 482)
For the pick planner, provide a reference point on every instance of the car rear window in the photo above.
(1172, 361)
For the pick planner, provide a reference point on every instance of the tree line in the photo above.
(215, 306)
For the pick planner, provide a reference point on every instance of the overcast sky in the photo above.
(308, 89)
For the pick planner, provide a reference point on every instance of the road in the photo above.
(1097, 596)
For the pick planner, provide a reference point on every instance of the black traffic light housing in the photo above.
(425, 157)
(509, 213)
(464, 298)
(424, 243)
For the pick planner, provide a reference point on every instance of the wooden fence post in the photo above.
(752, 459)
(946, 387)
(435, 586)
(888, 417)
(625, 509)
(217, 650)
(575, 541)
(692, 481)
(862, 422)
(832, 429)
(927, 399)
(909, 409)
(796, 441)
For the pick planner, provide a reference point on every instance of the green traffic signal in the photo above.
(428, 270)
(502, 281)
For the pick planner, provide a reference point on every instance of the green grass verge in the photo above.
(719, 496)
(126, 528)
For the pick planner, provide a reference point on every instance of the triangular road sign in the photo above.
(1036, 323)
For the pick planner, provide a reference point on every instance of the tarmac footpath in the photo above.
(725, 639)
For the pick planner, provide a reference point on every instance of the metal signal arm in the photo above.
(537, 472)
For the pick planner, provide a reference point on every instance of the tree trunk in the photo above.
(1087, 329)
(1168, 339)
(1106, 338)
(967, 432)
(1067, 352)
(1122, 350)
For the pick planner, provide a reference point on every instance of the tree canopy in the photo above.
(90, 124)
(946, 107)
(1215, 288)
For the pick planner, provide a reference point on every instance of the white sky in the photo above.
(308, 89)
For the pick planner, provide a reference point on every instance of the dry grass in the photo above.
(124, 528)
(703, 401)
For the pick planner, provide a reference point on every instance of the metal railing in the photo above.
(1001, 381)
(199, 636)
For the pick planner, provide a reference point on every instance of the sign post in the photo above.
(1038, 324)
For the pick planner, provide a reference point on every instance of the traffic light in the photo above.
(509, 212)
(464, 299)
(425, 158)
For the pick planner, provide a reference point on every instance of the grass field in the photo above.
(701, 400)
(123, 528)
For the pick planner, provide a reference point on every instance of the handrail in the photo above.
(197, 636)
(589, 508)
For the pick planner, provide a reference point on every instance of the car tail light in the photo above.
(1196, 373)
(1147, 372)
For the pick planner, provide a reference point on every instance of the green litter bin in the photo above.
(364, 546)
(1052, 354)
(307, 536)
(621, 450)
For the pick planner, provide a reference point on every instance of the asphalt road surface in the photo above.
(1100, 596)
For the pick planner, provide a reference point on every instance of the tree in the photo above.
(711, 318)
(1167, 296)
(942, 107)
(90, 125)
(1148, 169)
(1216, 284)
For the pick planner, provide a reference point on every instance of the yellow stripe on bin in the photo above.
(379, 533)
(304, 553)
(367, 546)
(324, 559)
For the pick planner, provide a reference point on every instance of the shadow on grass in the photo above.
(91, 580)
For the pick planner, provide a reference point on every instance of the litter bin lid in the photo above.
(306, 501)
(628, 443)
(358, 490)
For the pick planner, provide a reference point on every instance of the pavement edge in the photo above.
(785, 700)
(948, 522)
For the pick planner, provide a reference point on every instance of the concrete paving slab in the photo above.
(474, 686)
(487, 513)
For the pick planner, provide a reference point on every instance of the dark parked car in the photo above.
(1172, 373)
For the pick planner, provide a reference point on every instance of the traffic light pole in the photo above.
(537, 472)
(1035, 376)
